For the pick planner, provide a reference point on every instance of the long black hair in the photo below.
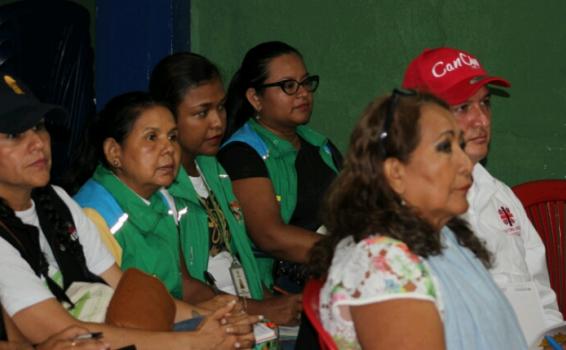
(116, 121)
(360, 202)
(176, 74)
(252, 73)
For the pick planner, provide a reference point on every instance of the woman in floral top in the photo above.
(402, 270)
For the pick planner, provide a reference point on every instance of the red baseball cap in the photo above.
(450, 74)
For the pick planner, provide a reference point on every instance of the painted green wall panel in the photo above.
(360, 49)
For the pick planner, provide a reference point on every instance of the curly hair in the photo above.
(360, 202)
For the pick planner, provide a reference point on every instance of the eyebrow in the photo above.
(488, 95)
(151, 128)
(446, 133)
(209, 104)
(154, 128)
(291, 78)
(201, 105)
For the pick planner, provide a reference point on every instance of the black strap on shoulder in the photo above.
(65, 245)
(27, 244)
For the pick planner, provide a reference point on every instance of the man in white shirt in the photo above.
(495, 213)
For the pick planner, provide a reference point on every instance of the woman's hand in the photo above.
(220, 301)
(66, 340)
(283, 309)
(241, 325)
(225, 329)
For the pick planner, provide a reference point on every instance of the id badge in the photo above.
(239, 279)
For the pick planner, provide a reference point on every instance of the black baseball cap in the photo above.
(20, 110)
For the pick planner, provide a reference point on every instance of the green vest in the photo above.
(194, 224)
(280, 163)
(279, 157)
(149, 237)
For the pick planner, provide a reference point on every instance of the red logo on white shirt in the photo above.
(506, 216)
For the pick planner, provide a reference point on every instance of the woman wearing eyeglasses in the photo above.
(280, 168)
(403, 271)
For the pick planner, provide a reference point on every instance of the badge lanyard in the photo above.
(220, 225)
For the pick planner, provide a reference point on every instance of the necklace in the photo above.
(219, 233)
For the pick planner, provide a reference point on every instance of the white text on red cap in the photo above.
(439, 69)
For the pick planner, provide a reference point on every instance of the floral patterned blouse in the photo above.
(378, 268)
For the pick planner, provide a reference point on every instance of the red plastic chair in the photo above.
(311, 296)
(544, 202)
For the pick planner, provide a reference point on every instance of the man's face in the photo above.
(474, 118)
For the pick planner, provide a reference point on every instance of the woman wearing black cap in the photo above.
(46, 242)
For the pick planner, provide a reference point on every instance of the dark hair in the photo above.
(175, 74)
(360, 201)
(115, 120)
(252, 72)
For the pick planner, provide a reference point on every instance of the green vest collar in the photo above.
(279, 146)
(145, 217)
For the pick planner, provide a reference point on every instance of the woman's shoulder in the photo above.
(379, 266)
(237, 148)
(61, 193)
(242, 161)
(67, 200)
(378, 246)
(94, 196)
(252, 135)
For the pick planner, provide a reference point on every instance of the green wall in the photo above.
(361, 48)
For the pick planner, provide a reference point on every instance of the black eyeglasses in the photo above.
(390, 114)
(291, 86)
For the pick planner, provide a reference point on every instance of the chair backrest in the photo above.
(544, 202)
(311, 296)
